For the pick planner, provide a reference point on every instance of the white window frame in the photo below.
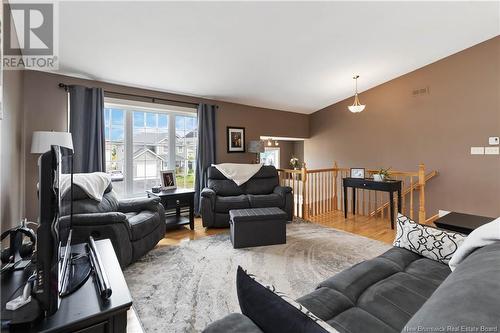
(129, 107)
(279, 154)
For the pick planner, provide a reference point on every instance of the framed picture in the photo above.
(235, 139)
(357, 172)
(168, 179)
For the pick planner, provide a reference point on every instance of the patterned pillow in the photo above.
(274, 311)
(429, 242)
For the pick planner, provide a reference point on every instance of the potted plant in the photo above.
(381, 175)
(294, 163)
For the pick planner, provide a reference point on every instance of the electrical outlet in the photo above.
(493, 140)
(491, 150)
(477, 150)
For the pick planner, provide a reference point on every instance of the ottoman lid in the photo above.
(257, 214)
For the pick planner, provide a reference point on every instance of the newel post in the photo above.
(421, 184)
(305, 206)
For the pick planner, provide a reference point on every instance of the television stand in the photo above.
(83, 310)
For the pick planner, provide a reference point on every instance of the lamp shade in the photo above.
(42, 140)
(255, 146)
(356, 108)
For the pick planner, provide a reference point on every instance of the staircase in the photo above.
(319, 191)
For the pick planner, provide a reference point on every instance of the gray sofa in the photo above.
(222, 195)
(134, 226)
(400, 291)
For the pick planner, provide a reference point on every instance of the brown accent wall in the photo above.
(45, 108)
(400, 130)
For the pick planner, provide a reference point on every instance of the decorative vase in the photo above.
(378, 177)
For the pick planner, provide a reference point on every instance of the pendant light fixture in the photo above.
(357, 106)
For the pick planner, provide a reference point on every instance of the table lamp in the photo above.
(257, 147)
(43, 140)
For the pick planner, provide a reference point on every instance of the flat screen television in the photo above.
(53, 234)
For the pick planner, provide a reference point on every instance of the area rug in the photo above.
(184, 288)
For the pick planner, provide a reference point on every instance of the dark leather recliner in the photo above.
(262, 190)
(134, 226)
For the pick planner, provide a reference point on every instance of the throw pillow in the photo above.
(273, 311)
(429, 242)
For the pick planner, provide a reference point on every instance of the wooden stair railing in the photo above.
(319, 191)
(295, 178)
(405, 192)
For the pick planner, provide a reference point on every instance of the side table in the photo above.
(174, 201)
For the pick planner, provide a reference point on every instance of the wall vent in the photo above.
(421, 91)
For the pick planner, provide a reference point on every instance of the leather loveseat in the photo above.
(262, 190)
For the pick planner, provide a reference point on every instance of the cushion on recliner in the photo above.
(225, 187)
(221, 185)
(225, 204)
(356, 320)
(263, 182)
(142, 223)
(261, 185)
(109, 203)
(265, 200)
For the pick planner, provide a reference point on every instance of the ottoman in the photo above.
(257, 227)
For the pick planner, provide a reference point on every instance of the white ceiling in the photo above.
(293, 56)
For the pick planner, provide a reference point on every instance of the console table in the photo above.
(173, 201)
(390, 186)
(82, 311)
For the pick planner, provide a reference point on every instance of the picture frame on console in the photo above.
(168, 180)
(235, 139)
(358, 173)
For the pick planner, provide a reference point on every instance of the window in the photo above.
(271, 156)
(142, 139)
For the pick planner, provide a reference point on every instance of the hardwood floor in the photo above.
(184, 234)
(372, 227)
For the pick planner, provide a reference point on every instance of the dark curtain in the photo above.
(86, 124)
(205, 156)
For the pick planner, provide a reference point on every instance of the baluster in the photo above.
(363, 203)
(411, 197)
(369, 202)
(355, 204)
(421, 199)
(335, 186)
(320, 204)
(321, 183)
(330, 186)
(319, 192)
(325, 183)
(313, 190)
(297, 188)
(403, 196)
(341, 188)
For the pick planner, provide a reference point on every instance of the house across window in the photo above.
(143, 138)
(271, 156)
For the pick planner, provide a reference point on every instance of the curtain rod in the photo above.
(153, 99)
